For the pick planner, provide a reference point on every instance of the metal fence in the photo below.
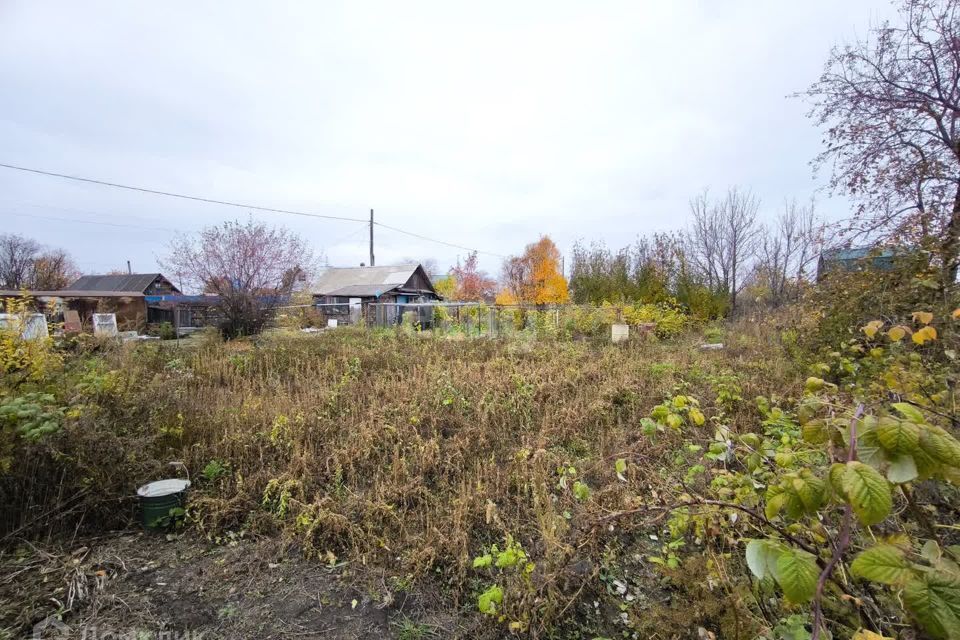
(480, 319)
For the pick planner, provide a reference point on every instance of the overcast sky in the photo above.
(482, 124)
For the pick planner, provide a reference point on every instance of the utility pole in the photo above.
(372, 263)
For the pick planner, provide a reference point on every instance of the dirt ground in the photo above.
(140, 585)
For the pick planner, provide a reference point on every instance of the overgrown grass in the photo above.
(408, 452)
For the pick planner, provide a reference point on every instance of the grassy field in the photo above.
(497, 487)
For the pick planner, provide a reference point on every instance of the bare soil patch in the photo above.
(142, 585)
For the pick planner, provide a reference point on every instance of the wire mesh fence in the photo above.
(485, 320)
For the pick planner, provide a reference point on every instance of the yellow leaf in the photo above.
(956, 313)
(925, 335)
(872, 327)
(923, 317)
(864, 634)
(896, 333)
(696, 416)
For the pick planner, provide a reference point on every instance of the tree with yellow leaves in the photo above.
(534, 277)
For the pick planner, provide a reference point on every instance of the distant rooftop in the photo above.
(125, 282)
(362, 282)
(858, 253)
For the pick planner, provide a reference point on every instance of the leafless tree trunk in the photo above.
(25, 265)
(17, 255)
(740, 232)
(785, 250)
(723, 239)
(706, 242)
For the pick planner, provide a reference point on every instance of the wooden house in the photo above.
(122, 294)
(346, 293)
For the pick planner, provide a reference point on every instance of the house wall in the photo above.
(161, 287)
(420, 282)
(342, 312)
(131, 312)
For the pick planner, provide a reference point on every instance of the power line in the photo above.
(449, 244)
(177, 195)
(349, 235)
(237, 204)
(35, 205)
(107, 224)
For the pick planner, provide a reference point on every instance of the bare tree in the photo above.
(890, 105)
(429, 264)
(786, 249)
(723, 238)
(25, 264)
(17, 255)
(249, 266)
(706, 242)
(739, 226)
(54, 269)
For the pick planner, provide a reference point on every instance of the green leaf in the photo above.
(902, 469)
(796, 573)
(581, 491)
(482, 561)
(815, 432)
(752, 440)
(777, 499)
(869, 450)
(762, 557)
(934, 600)
(660, 413)
(898, 436)
(940, 445)
(909, 412)
(490, 599)
(931, 551)
(867, 491)
(648, 426)
(809, 490)
(835, 476)
(883, 563)
(783, 458)
(509, 557)
(620, 466)
(927, 466)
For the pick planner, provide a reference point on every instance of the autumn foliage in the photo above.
(534, 277)
(472, 284)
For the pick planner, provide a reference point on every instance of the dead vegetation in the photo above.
(406, 454)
